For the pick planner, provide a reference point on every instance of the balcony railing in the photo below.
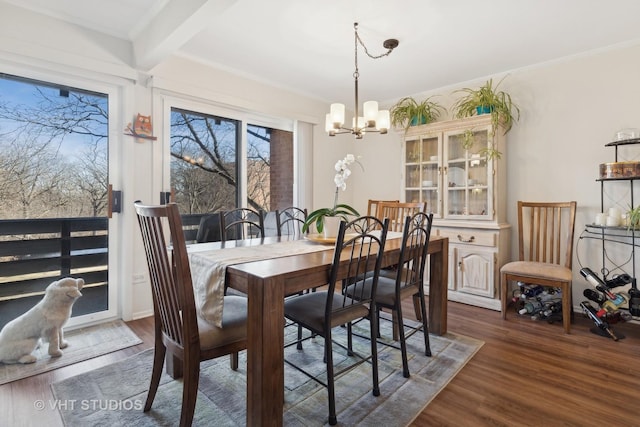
(36, 252)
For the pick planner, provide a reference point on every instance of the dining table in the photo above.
(267, 282)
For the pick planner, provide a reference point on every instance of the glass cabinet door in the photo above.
(467, 175)
(422, 172)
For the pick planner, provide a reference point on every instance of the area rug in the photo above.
(84, 343)
(114, 395)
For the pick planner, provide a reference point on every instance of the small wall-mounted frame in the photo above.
(141, 128)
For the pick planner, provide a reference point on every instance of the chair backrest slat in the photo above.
(169, 272)
(372, 206)
(397, 212)
(241, 223)
(290, 221)
(413, 255)
(357, 256)
(545, 232)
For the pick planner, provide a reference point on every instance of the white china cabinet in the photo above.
(445, 164)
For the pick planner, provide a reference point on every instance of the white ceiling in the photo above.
(308, 45)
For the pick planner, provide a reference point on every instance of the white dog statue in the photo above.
(21, 336)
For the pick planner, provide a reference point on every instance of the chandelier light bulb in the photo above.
(328, 125)
(370, 113)
(383, 122)
(337, 115)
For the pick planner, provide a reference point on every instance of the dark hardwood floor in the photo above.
(527, 374)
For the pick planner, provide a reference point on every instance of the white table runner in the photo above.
(209, 267)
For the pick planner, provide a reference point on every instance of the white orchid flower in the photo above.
(343, 210)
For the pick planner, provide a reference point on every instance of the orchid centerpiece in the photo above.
(339, 210)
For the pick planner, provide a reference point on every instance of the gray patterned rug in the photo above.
(84, 343)
(114, 395)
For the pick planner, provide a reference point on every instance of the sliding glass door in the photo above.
(54, 169)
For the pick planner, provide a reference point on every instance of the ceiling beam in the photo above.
(176, 24)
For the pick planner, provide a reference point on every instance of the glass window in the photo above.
(206, 169)
(53, 150)
(204, 161)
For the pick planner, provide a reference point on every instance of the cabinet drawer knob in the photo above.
(469, 240)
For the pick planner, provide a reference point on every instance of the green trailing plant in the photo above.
(468, 139)
(341, 210)
(487, 99)
(633, 218)
(409, 112)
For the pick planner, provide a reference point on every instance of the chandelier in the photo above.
(372, 120)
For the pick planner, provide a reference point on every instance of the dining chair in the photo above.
(209, 229)
(408, 281)
(241, 223)
(398, 211)
(270, 223)
(358, 250)
(372, 206)
(545, 252)
(179, 332)
(290, 221)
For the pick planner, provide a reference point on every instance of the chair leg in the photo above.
(373, 318)
(299, 344)
(158, 361)
(566, 307)
(189, 391)
(333, 419)
(416, 305)
(349, 340)
(397, 314)
(503, 294)
(425, 325)
(234, 361)
(395, 325)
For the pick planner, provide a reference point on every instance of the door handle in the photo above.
(114, 201)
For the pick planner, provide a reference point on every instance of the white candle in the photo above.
(614, 212)
(601, 219)
(613, 221)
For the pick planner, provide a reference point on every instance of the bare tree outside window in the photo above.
(204, 166)
(53, 192)
(53, 151)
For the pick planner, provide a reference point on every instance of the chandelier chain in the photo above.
(359, 40)
(356, 73)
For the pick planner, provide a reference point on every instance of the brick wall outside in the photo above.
(281, 175)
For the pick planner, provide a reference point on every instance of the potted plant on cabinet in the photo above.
(487, 99)
(409, 112)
